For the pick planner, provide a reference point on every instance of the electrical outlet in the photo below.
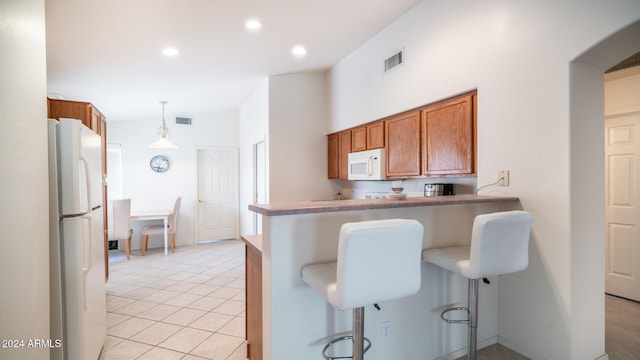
(385, 330)
(503, 175)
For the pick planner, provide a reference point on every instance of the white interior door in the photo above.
(217, 194)
(260, 181)
(622, 262)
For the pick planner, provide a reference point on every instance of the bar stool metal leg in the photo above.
(358, 333)
(360, 344)
(473, 317)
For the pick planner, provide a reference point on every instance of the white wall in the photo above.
(149, 190)
(253, 124)
(518, 55)
(297, 138)
(288, 111)
(24, 216)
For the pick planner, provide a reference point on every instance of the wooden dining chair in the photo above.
(159, 229)
(119, 223)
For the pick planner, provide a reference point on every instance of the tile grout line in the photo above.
(139, 278)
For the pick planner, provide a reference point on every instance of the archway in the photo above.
(586, 107)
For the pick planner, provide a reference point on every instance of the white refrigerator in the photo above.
(78, 298)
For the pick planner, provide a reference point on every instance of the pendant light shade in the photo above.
(163, 141)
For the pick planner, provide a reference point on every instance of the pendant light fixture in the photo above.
(163, 141)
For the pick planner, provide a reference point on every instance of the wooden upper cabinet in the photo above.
(448, 137)
(97, 120)
(333, 156)
(375, 135)
(90, 116)
(367, 137)
(359, 139)
(338, 149)
(344, 148)
(431, 141)
(402, 139)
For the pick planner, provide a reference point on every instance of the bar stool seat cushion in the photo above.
(322, 279)
(499, 245)
(452, 258)
(378, 260)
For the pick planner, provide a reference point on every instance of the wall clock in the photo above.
(159, 163)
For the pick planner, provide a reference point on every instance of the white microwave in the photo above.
(367, 165)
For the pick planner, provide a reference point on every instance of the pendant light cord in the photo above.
(164, 124)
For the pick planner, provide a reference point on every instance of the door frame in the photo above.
(196, 179)
(255, 180)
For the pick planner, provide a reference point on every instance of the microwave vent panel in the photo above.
(394, 61)
(183, 120)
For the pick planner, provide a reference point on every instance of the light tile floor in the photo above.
(190, 305)
(187, 305)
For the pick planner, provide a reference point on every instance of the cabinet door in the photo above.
(333, 156)
(447, 134)
(359, 139)
(375, 135)
(344, 148)
(253, 303)
(96, 120)
(402, 138)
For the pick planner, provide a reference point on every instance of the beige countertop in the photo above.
(313, 207)
(255, 241)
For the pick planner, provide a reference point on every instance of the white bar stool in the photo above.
(499, 246)
(378, 260)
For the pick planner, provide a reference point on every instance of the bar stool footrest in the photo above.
(342, 338)
(457, 308)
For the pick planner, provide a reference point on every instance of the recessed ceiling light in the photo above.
(299, 51)
(253, 24)
(170, 51)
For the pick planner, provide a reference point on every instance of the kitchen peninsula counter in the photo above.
(315, 207)
(297, 322)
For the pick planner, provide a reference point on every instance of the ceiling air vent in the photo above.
(394, 61)
(183, 120)
(632, 61)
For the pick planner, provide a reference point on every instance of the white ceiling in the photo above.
(108, 51)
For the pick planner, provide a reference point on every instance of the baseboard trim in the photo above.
(519, 349)
(463, 351)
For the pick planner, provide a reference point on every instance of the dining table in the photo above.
(145, 215)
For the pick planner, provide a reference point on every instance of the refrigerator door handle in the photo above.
(87, 259)
(87, 180)
(85, 272)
